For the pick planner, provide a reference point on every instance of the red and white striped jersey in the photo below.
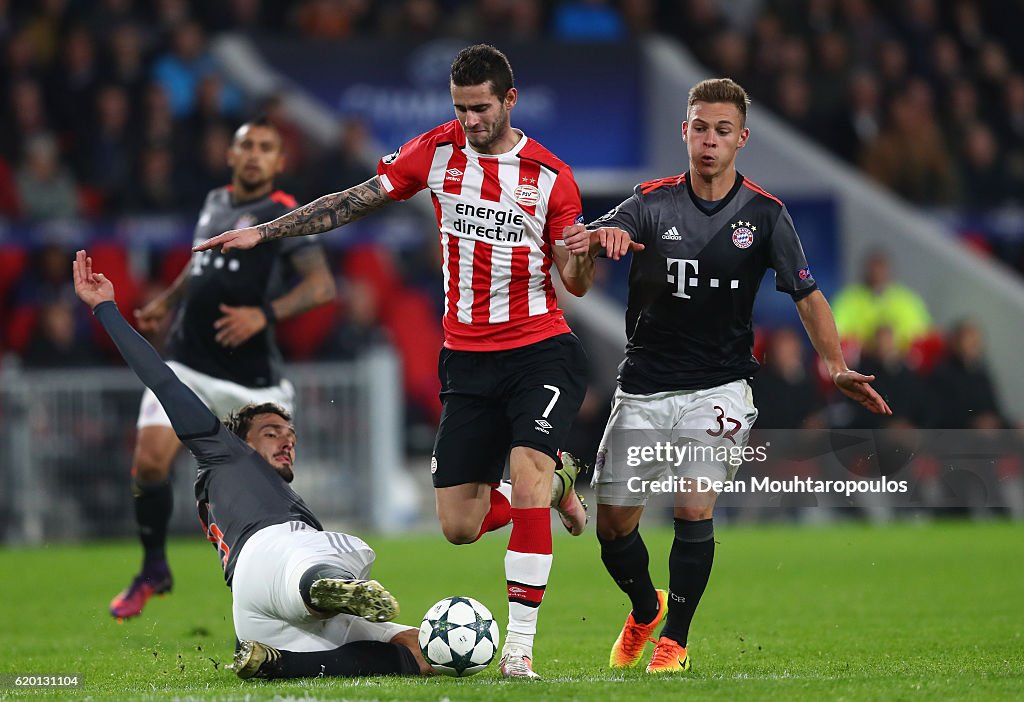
(498, 217)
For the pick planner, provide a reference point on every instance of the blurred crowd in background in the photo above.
(117, 107)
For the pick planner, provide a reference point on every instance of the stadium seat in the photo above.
(172, 261)
(13, 260)
(91, 201)
(19, 328)
(302, 337)
(374, 266)
(926, 352)
(112, 259)
(416, 334)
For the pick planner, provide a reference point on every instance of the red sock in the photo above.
(499, 514)
(527, 565)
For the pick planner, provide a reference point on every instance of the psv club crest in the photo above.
(743, 234)
(527, 194)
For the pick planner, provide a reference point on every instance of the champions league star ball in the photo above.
(458, 636)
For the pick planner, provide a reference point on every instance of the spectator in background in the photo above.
(830, 77)
(72, 84)
(159, 125)
(639, 17)
(276, 111)
(731, 51)
(182, 70)
(154, 190)
(25, 119)
(961, 109)
(982, 173)
(54, 343)
(862, 308)
(332, 19)
(109, 155)
(863, 28)
(210, 171)
(968, 394)
(359, 329)
(910, 157)
(46, 188)
(786, 394)
(904, 390)
(127, 62)
(412, 20)
(860, 119)
(349, 159)
(793, 103)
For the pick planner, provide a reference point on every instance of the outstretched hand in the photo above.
(235, 239)
(616, 242)
(857, 387)
(92, 288)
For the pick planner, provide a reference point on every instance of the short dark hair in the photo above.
(720, 90)
(260, 120)
(240, 421)
(480, 63)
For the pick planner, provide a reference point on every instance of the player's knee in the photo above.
(155, 449)
(694, 513)
(149, 468)
(459, 531)
(612, 526)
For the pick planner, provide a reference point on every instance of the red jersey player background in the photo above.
(511, 371)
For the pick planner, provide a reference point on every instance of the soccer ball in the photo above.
(458, 636)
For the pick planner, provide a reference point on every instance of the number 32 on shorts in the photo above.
(719, 429)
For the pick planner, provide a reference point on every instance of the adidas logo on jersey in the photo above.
(672, 235)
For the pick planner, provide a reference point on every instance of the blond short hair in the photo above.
(720, 90)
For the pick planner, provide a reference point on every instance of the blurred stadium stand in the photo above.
(66, 440)
(884, 126)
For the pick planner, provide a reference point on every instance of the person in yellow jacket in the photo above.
(861, 308)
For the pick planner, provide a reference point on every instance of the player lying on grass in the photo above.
(300, 599)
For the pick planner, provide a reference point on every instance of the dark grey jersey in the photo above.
(691, 290)
(237, 491)
(247, 278)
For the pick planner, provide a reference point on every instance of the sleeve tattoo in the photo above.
(327, 212)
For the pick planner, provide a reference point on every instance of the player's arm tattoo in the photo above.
(316, 287)
(328, 212)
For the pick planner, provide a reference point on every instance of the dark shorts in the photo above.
(495, 400)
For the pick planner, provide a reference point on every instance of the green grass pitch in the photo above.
(852, 612)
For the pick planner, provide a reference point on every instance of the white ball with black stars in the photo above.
(458, 636)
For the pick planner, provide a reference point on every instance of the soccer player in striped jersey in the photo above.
(710, 236)
(511, 370)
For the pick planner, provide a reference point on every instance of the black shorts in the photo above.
(495, 400)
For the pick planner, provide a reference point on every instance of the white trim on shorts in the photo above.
(221, 396)
(267, 605)
(684, 416)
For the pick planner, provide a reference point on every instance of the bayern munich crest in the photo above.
(246, 220)
(743, 234)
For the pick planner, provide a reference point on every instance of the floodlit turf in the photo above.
(851, 612)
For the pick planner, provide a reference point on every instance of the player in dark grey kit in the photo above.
(301, 603)
(222, 344)
(709, 236)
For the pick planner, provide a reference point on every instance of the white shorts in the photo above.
(221, 396)
(267, 606)
(682, 434)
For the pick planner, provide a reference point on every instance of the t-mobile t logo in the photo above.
(682, 273)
